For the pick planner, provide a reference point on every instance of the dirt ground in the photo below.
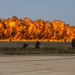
(37, 65)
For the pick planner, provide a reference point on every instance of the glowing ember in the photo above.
(14, 28)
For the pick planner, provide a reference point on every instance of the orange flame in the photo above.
(27, 29)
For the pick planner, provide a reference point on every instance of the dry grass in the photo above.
(45, 48)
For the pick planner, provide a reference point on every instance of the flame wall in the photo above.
(15, 28)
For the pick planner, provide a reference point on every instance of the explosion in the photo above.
(18, 29)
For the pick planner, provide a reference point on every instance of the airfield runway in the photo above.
(37, 64)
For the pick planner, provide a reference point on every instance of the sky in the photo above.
(47, 10)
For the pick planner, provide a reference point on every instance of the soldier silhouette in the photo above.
(25, 45)
(73, 42)
(37, 44)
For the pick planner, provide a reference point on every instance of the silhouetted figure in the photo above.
(37, 44)
(10, 40)
(73, 42)
(25, 45)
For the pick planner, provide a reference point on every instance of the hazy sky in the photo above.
(50, 10)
